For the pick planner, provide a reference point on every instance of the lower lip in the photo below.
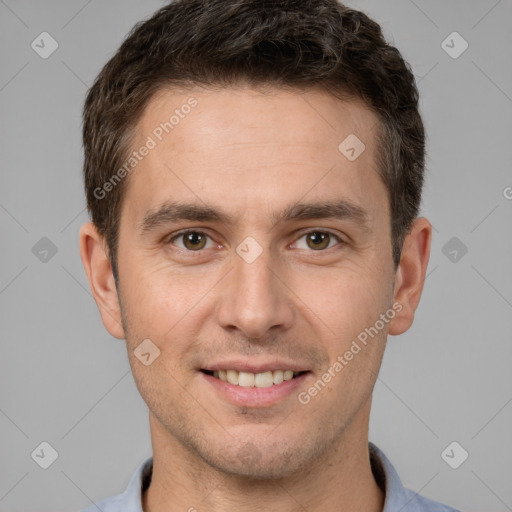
(255, 397)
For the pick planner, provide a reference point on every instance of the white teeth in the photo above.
(246, 379)
(278, 376)
(264, 380)
(232, 376)
(288, 374)
(258, 380)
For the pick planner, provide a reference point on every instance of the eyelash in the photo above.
(201, 251)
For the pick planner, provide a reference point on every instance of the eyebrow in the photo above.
(174, 211)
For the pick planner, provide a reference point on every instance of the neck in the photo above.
(340, 480)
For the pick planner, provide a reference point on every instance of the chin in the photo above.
(253, 462)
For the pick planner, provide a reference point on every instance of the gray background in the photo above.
(64, 380)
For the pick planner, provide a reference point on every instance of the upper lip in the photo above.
(252, 366)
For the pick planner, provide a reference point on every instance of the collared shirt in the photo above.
(397, 497)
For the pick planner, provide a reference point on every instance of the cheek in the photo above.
(152, 297)
(354, 347)
(166, 306)
(352, 301)
(346, 299)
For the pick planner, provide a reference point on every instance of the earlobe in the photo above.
(410, 275)
(93, 251)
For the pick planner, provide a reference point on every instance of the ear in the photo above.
(94, 254)
(410, 275)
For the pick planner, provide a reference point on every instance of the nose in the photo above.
(255, 298)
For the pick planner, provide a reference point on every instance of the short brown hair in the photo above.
(283, 43)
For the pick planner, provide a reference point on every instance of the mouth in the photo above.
(245, 379)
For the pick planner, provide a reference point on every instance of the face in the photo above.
(252, 248)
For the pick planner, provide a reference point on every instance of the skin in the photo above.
(252, 153)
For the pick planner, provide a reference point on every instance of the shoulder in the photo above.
(112, 504)
(398, 497)
(130, 499)
(418, 503)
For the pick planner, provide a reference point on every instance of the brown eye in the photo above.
(317, 240)
(191, 240)
(194, 240)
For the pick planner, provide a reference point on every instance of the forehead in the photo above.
(238, 115)
(240, 148)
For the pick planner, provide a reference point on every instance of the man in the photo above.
(253, 171)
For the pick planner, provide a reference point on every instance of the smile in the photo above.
(257, 380)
